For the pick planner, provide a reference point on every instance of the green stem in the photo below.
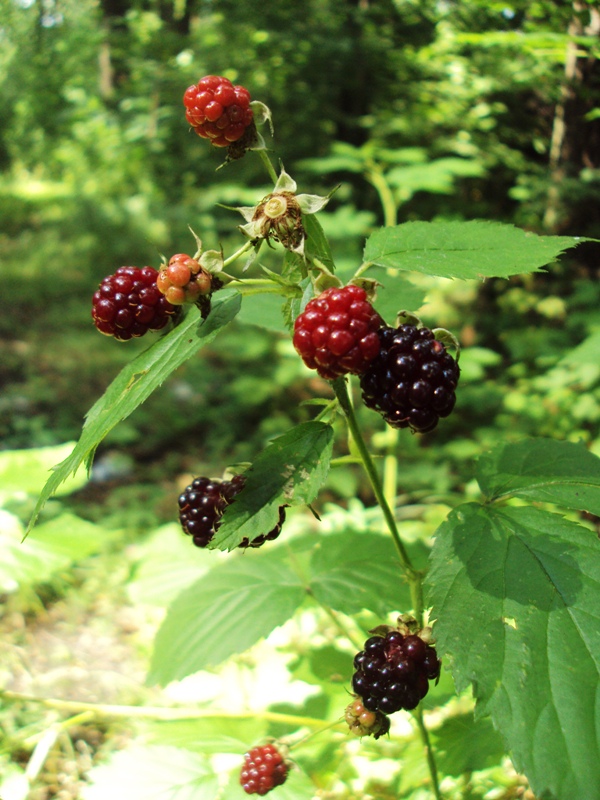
(240, 252)
(430, 755)
(413, 576)
(104, 711)
(269, 167)
(390, 208)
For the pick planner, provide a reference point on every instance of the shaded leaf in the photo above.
(224, 613)
(476, 249)
(289, 471)
(353, 571)
(516, 595)
(264, 311)
(544, 470)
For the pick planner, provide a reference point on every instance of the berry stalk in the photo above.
(429, 753)
(413, 576)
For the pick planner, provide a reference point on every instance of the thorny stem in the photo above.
(413, 576)
(418, 715)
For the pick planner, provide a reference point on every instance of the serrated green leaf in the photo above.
(516, 595)
(544, 470)
(354, 571)
(152, 773)
(475, 249)
(264, 311)
(464, 744)
(136, 382)
(289, 471)
(225, 613)
(317, 244)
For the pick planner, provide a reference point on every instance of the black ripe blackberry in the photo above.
(201, 506)
(393, 672)
(412, 381)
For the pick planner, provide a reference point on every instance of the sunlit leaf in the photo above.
(225, 612)
(476, 249)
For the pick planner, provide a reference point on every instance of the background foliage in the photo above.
(428, 111)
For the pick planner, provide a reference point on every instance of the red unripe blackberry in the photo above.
(218, 110)
(263, 769)
(201, 506)
(129, 304)
(393, 672)
(412, 381)
(337, 332)
(183, 280)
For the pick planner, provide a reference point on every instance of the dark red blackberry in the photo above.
(129, 304)
(263, 769)
(201, 506)
(412, 381)
(336, 334)
(218, 110)
(393, 672)
(365, 723)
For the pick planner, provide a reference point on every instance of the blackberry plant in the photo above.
(510, 586)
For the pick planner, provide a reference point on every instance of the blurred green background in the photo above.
(418, 110)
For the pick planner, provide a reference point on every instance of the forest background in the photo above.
(418, 111)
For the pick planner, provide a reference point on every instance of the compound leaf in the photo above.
(516, 595)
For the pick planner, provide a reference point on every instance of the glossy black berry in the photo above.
(201, 506)
(392, 672)
(412, 382)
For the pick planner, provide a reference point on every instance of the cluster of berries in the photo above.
(406, 373)
(201, 506)
(392, 672)
(263, 769)
(218, 110)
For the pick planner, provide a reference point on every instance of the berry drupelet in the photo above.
(366, 723)
(263, 769)
(217, 110)
(393, 672)
(201, 506)
(412, 381)
(128, 304)
(336, 334)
